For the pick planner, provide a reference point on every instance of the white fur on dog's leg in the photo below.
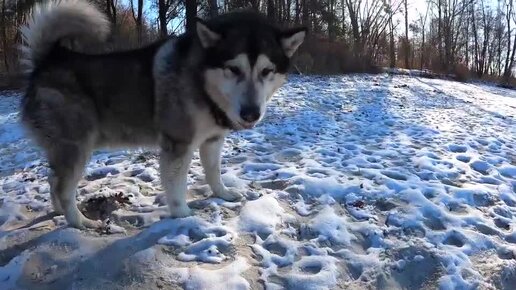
(74, 220)
(56, 205)
(73, 216)
(210, 153)
(77, 220)
(92, 224)
(229, 194)
(180, 211)
(173, 171)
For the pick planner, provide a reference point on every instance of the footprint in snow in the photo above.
(463, 158)
(480, 166)
(102, 172)
(456, 148)
(508, 171)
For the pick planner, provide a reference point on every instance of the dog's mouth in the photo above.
(244, 125)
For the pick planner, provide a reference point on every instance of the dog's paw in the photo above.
(92, 224)
(180, 211)
(83, 223)
(76, 219)
(229, 194)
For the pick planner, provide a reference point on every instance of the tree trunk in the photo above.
(3, 26)
(111, 11)
(288, 10)
(108, 10)
(270, 10)
(499, 36)
(422, 48)
(306, 18)
(357, 41)
(467, 42)
(440, 32)
(279, 11)
(298, 11)
(162, 15)
(407, 48)
(191, 13)
(475, 36)
(139, 25)
(138, 19)
(255, 4)
(508, 73)
(214, 9)
(484, 62)
(391, 44)
(343, 7)
(423, 31)
(507, 68)
(331, 25)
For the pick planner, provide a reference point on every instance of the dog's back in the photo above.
(77, 102)
(106, 99)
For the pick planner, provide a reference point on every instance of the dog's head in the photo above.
(247, 59)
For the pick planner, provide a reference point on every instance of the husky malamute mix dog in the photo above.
(180, 94)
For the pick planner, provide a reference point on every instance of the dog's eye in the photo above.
(234, 70)
(266, 72)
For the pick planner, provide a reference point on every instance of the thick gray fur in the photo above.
(153, 96)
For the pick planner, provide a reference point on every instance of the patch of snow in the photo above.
(508, 171)
(360, 181)
(330, 226)
(227, 277)
(262, 215)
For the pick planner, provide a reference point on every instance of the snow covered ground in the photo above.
(352, 182)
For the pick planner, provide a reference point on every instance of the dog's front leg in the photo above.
(211, 152)
(175, 161)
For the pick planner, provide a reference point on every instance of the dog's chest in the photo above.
(207, 128)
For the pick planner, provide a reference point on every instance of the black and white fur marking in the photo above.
(181, 94)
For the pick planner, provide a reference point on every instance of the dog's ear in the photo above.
(207, 36)
(291, 39)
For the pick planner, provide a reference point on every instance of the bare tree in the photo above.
(305, 14)
(330, 19)
(213, 6)
(297, 12)
(509, 59)
(271, 13)
(498, 38)
(138, 19)
(191, 13)
(392, 49)
(163, 7)
(473, 35)
(3, 27)
(422, 23)
(406, 45)
(111, 10)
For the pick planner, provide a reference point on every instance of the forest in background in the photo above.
(468, 39)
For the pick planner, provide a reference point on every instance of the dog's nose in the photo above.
(250, 113)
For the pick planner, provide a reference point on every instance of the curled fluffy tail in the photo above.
(56, 20)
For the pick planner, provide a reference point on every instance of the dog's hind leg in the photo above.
(56, 204)
(67, 161)
(63, 122)
(210, 153)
